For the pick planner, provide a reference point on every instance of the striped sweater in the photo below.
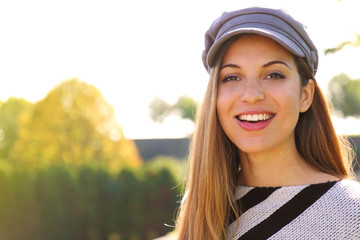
(320, 211)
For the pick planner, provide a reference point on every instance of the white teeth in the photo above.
(255, 117)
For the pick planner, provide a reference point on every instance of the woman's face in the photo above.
(260, 95)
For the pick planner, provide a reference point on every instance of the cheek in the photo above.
(223, 103)
(289, 95)
(226, 106)
(222, 108)
(290, 108)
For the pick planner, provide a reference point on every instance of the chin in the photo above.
(252, 148)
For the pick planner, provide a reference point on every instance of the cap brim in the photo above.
(274, 35)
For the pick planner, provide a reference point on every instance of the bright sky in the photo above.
(135, 50)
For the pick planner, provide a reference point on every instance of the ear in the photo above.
(307, 95)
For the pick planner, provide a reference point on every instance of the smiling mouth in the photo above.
(254, 118)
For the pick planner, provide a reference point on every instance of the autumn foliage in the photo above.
(73, 124)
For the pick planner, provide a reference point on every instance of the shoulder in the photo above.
(345, 196)
(349, 189)
(335, 215)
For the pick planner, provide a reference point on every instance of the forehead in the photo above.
(255, 46)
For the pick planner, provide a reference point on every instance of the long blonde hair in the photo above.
(214, 160)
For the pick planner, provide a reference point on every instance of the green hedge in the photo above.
(67, 202)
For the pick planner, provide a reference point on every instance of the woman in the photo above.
(265, 161)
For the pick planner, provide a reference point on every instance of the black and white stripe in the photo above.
(266, 212)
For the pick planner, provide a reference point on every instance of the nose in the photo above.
(252, 92)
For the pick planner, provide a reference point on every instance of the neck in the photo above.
(278, 169)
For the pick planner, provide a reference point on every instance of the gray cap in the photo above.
(271, 23)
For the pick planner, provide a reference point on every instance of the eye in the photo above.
(275, 75)
(230, 78)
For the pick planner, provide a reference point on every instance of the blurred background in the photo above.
(97, 105)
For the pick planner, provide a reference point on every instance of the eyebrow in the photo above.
(231, 65)
(276, 62)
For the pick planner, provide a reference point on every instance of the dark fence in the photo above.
(179, 148)
(355, 142)
(150, 148)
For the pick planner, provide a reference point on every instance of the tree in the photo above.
(10, 111)
(345, 94)
(73, 124)
(355, 43)
(185, 107)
